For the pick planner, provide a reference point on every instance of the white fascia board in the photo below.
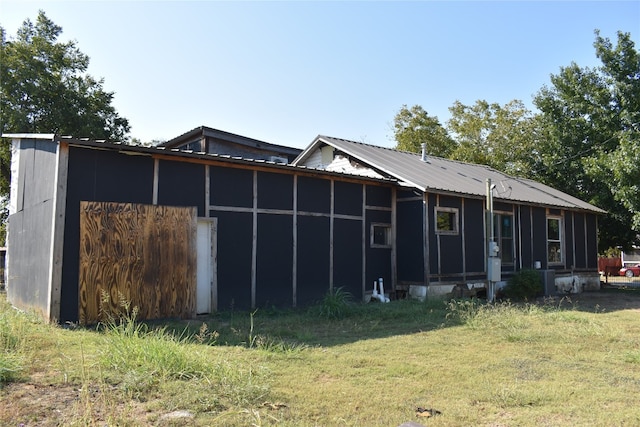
(48, 136)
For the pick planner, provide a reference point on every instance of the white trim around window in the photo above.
(555, 247)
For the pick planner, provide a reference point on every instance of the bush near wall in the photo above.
(524, 285)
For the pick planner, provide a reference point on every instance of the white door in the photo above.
(206, 294)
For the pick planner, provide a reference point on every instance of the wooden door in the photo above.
(140, 255)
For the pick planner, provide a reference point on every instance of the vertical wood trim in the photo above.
(214, 263)
(207, 202)
(425, 236)
(586, 242)
(597, 238)
(439, 248)
(254, 240)
(156, 168)
(463, 241)
(394, 229)
(364, 238)
(294, 271)
(533, 257)
(573, 237)
(331, 239)
(520, 236)
(57, 233)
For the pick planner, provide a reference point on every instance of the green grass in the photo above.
(493, 365)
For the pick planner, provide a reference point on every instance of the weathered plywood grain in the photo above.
(142, 254)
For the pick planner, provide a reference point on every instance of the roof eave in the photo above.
(47, 136)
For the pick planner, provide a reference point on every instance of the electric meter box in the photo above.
(494, 269)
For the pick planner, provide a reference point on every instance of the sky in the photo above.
(284, 72)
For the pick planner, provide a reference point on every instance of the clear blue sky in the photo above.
(284, 72)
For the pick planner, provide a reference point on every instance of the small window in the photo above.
(554, 240)
(380, 236)
(446, 221)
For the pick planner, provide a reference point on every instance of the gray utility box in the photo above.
(548, 282)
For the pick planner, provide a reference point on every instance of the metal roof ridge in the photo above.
(363, 143)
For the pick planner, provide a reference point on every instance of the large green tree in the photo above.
(590, 120)
(45, 88)
(414, 127)
(500, 136)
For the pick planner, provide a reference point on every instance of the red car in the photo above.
(633, 270)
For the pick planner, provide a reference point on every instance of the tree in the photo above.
(44, 88)
(502, 137)
(413, 127)
(590, 119)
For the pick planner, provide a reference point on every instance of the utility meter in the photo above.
(494, 249)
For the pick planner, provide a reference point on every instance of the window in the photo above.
(446, 221)
(554, 240)
(380, 236)
(503, 232)
(191, 146)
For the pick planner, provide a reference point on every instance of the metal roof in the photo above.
(448, 176)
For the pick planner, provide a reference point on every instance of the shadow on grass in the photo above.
(286, 330)
(292, 329)
(267, 327)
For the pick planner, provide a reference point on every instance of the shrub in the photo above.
(524, 285)
(335, 304)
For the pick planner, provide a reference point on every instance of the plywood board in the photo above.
(143, 255)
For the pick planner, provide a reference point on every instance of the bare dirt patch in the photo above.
(34, 403)
(605, 300)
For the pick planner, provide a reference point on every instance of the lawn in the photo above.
(557, 362)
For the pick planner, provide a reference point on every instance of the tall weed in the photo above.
(146, 359)
(134, 349)
(14, 343)
(336, 304)
(476, 314)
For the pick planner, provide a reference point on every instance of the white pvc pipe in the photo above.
(382, 297)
